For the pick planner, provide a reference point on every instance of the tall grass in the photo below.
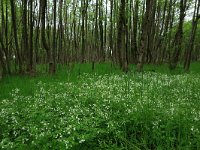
(102, 109)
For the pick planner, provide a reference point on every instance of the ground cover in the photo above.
(105, 109)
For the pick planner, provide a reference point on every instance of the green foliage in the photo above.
(187, 29)
(105, 109)
(187, 32)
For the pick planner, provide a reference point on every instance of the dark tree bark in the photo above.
(144, 36)
(151, 31)
(83, 7)
(36, 40)
(54, 41)
(25, 34)
(6, 40)
(190, 46)
(111, 31)
(61, 32)
(43, 5)
(169, 42)
(166, 30)
(105, 32)
(134, 48)
(74, 31)
(177, 44)
(13, 12)
(96, 30)
(102, 53)
(31, 63)
(2, 60)
(3, 57)
(121, 46)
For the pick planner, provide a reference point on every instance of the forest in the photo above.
(74, 31)
(100, 74)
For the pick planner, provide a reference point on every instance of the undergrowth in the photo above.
(104, 109)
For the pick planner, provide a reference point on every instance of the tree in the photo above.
(2, 60)
(145, 35)
(177, 43)
(190, 47)
(31, 63)
(54, 41)
(4, 57)
(50, 32)
(122, 37)
(84, 8)
(43, 5)
(13, 11)
(25, 45)
(134, 47)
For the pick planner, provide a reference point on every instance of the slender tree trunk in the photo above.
(102, 54)
(177, 44)
(54, 40)
(134, 47)
(111, 31)
(83, 31)
(13, 12)
(96, 30)
(169, 45)
(105, 32)
(167, 25)
(2, 50)
(121, 46)
(61, 34)
(25, 34)
(31, 63)
(144, 36)
(36, 41)
(190, 46)
(6, 38)
(43, 4)
(2, 60)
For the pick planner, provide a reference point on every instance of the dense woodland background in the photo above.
(123, 32)
(100, 74)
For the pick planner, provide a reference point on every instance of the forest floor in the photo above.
(101, 109)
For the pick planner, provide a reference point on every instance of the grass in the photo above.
(101, 109)
(27, 84)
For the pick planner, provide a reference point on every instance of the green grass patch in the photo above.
(79, 108)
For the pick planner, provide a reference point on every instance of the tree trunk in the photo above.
(13, 12)
(2, 62)
(177, 44)
(190, 46)
(43, 4)
(144, 36)
(61, 34)
(102, 54)
(25, 47)
(134, 47)
(83, 31)
(53, 69)
(6, 38)
(31, 63)
(121, 43)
